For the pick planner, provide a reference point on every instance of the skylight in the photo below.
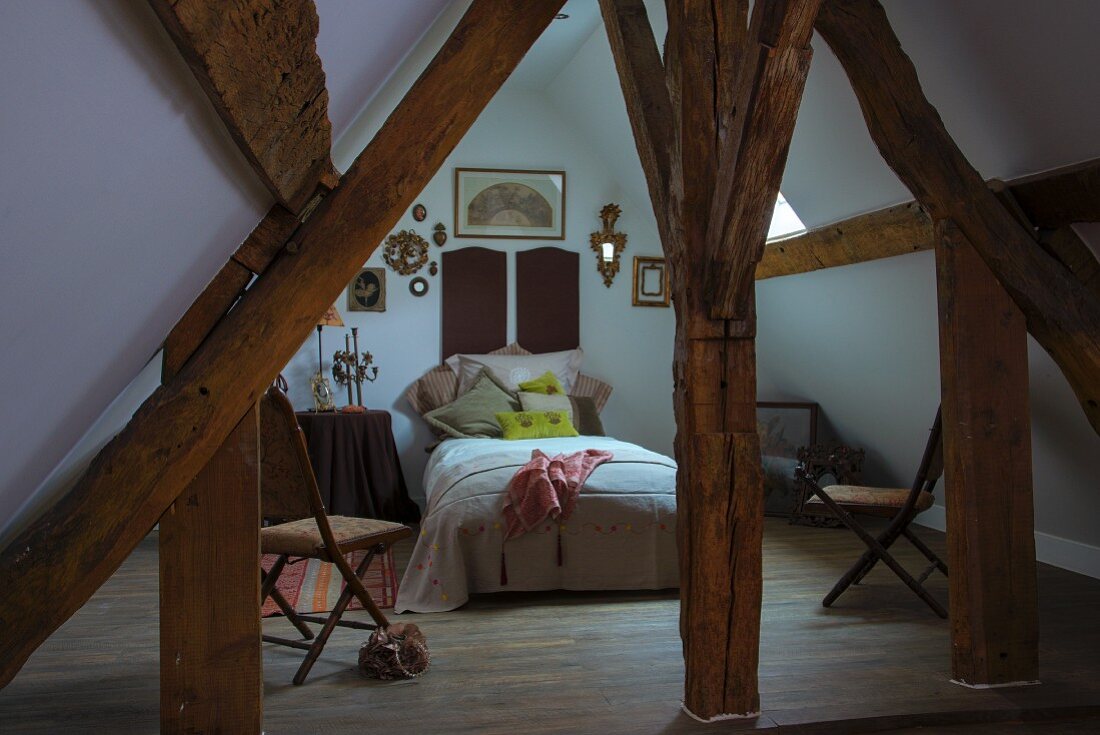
(784, 220)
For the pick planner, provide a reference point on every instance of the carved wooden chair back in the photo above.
(287, 483)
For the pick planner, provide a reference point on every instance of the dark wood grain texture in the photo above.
(1063, 196)
(1062, 314)
(257, 62)
(733, 87)
(548, 299)
(54, 565)
(211, 668)
(642, 77)
(884, 233)
(987, 469)
(474, 301)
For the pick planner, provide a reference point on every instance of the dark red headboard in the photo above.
(475, 301)
(548, 299)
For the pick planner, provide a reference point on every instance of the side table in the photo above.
(358, 470)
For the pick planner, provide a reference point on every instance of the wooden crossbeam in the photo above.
(906, 228)
(1061, 312)
(51, 568)
(257, 62)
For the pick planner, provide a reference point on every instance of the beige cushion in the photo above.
(303, 538)
(879, 496)
(588, 387)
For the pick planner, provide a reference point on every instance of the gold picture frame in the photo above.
(509, 204)
(651, 281)
(367, 291)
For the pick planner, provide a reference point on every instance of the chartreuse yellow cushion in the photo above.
(535, 424)
(547, 383)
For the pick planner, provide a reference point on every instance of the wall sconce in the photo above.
(608, 244)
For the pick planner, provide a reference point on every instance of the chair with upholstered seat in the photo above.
(900, 505)
(289, 494)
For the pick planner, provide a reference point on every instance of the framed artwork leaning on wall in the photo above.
(784, 428)
(509, 204)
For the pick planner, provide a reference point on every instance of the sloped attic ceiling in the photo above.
(122, 194)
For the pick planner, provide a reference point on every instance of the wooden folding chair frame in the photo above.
(877, 547)
(277, 401)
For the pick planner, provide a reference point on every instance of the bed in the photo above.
(620, 536)
(622, 533)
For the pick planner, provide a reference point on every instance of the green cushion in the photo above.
(535, 424)
(547, 383)
(473, 413)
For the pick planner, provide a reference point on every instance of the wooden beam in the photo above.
(720, 93)
(257, 62)
(906, 228)
(897, 230)
(1061, 197)
(211, 305)
(211, 668)
(51, 568)
(252, 257)
(1062, 314)
(987, 464)
(638, 62)
(752, 163)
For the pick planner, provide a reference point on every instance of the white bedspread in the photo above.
(621, 535)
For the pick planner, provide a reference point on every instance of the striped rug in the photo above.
(314, 586)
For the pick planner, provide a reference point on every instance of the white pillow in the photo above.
(511, 370)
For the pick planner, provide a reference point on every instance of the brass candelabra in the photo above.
(352, 366)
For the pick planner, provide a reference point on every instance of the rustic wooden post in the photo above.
(211, 668)
(987, 467)
(713, 124)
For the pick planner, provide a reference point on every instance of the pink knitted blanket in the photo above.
(547, 487)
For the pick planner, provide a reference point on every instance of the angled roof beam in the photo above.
(50, 569)
(1062, 313)
(258, 64)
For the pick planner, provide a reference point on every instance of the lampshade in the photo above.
(331, 318)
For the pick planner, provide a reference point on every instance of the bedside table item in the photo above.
(357, 466)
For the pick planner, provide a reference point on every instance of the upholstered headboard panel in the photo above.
(475, 301)
(548, 299)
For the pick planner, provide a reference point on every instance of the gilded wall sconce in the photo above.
(608, 244)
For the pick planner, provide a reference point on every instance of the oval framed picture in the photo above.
(367, 291)
(418, 286)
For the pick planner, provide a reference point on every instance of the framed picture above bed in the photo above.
(509, 203)
(784, 428)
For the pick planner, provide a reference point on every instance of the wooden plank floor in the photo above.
(596, 662)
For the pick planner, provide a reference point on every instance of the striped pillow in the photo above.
(439, 386)
(597, 390)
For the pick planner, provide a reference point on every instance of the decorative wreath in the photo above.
(406, 252)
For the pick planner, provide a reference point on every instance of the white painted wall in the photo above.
(629, 347)
(120, 197)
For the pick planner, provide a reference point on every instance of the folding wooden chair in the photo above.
(902, 506)
(289, 494)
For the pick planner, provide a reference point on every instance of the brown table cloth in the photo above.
(357, 466)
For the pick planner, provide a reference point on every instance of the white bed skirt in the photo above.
(622, 534)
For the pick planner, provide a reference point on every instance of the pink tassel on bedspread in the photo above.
(547, 487)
